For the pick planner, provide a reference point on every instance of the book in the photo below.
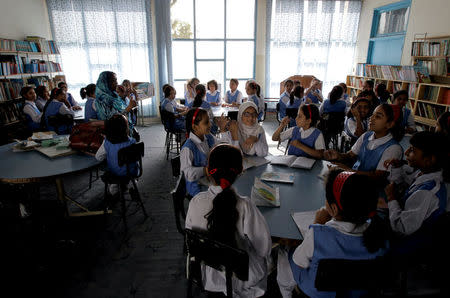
(254, 161)
(303, 220)
(264, 194)
(278, 177)
(293, 161)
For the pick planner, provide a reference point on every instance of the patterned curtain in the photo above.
(98, 35)
(311, 37)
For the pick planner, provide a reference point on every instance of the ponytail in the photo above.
(298, 92)
(394, 113)
(200, 92)
(335, 94)
(83, 93)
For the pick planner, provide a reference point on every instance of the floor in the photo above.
(48, 255)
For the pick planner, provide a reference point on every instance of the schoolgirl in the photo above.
(90, 111)
(313, 93)
(190, 93)
(253, 92)
(356, 122)
(233, 97)
(213, 95)
(31, 111)
(42, 96)
(73, 103)
(333, 104)
(285, 98)
(171, 106)
(400, 99)
(59, 106)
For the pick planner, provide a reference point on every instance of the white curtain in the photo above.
(98, 35)
(312, 37)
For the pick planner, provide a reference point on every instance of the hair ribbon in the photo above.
(338, 184)
(309, 110)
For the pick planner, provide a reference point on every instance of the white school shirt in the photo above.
(318, 145)
(418, 206)
(260, 148)
(238, 99)
(191, 172)
(40, 103)
(171, 106)
(394, 151)
(188, 98)
(404, 174)
(64, 110)
(31, 112)
(253, 237)
(351, 125)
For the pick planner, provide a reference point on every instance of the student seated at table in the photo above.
(356, 121)
(117, 137)
(345, 96)
(285, 97)
(347, 228)
(32, 113)
(233, 97)
(295, 100)
(200, 102)
(213, 95)
(59, 106)
(231, 219)
(88, 93)
(194, 152)
(333, 104)
(304, 139)
(170, 105)
(43, 95)
(377, 145)
(313, 94)
(73, 103)
(189, 95)
(400, 99)
(253, 91)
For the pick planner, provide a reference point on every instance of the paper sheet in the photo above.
(254, 161)
(303, 220)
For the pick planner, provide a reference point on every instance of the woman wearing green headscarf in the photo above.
(107, 100)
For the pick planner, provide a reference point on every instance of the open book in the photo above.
(293, 161)
(254, 161)
(278, 177)
(303, 220)
(265, 195)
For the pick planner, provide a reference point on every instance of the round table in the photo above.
(305, 194)
(33, 166)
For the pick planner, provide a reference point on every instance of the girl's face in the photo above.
(378, 122)
(30, 95)
(113, 84)
(363, 109)
(212, 87)
(301, 120)
(46, 94)
(203, 127)
(249, 116)
(233, 86)
(414, 157)
(172, 94)
(64, 87)
(289, 87)
(249, 90)
(127, 85)
(61, 97)
(401, 100)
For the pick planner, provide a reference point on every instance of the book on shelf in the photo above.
(7, 45)
(43, 45)
(397, 86)
(414, 73)
(293, 161)
(278, 177)
(430, 93)
(430, 48)
(412, 89)
(429, 111)
(435, 67)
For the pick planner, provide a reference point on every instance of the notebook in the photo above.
(278, 177)
(264, 194)
(254, 161)
(303, 220)
(293, 161)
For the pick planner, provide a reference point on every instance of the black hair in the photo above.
(335, 94)
(164, 87)
(199, 117)
(24, 91)
(382, 92)
(359, 199)
(400, 93)
(225, 165)
(60, 84)
(288, 81)
(298, 92)
(252, 85)
(370, 83)
(200, 92)
(258, 90)
(116, 129)
(314, 116)
(89, 90)
(126, 82)
(213, 82)
(56, 92)
(167, 90)
(191, 81)
(355, 103)
(40, 90)
(444, 123)
(367, 93)
(235, 81)
(297, 83)
(343, 85)
(398, 130)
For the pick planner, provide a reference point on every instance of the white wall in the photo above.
(426, 16)
(20, 18)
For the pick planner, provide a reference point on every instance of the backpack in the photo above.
(87, 137)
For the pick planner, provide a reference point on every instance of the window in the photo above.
(212, 39)
(388, 33)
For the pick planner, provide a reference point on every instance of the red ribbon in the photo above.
(195, 115)
(309, 110)
(224, 183)
(338, 184)
(397, 111)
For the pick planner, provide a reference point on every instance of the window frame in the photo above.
(225, 40)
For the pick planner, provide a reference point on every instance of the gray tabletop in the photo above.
(218, 111)
(21, 167)
(306, 194)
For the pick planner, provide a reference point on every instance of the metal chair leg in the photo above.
(139, 198)
(124, 207)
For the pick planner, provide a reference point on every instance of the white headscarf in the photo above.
(246, 131)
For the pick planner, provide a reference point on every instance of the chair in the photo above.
(217, 255)
(278, 112)
(343, 275)
(126, 157)
(61, 121)
(264, 113)
(292, 112)
(332, 125)
(179, 194)
(173, 137)
(176, 165)
(305, 81)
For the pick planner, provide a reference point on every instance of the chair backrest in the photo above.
(305, 81)
(217, 255)
(291, 112)
(344, 275)
(332, 123)
(167, 118)
(131, 154)
(60, 119)
(233, 115)
(176, 166)
(178, 197)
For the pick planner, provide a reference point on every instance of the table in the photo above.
(32, 166)
(218, 110)
(306, 194)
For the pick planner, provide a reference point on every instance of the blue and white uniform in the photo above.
(312, 137)
(213, 97)
(54, 108)
(72, 101)
(295, 105)
(40, 103)
(283, 102)
(408, 119)
(110, 151)
(33, 115)
(90, 111)
(327, 107)
(372, 153)
(350, 127)
(259, 102)
(188, 99)
(314, 98)
(171, 107)
(233, 97)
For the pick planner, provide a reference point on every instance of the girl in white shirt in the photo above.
(233, 97)
(231, 219)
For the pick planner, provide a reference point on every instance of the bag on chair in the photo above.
(87, 137)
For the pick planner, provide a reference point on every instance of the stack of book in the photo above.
(429, 111)
(412, 89)
(7, 45)
(10, 89)
(435, 67)
(44, 46)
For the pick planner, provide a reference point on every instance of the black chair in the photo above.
(179, 195)
(173, 137)
(343, 275)
(278, 112)
(182, 101)
(292, 112)
(59, 120)
(126, 156)
(332, 125)
(176, 166)
(202, 249)
(233, 115)
(264, 113)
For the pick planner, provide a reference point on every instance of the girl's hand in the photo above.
(322, 216)
(297, 143)
(382, 204)
(390, 191)
(248, 144)
(285, 121)
(355, 113)
(222, 123)
(233, 128)
(395, 163)
(330, 154)
(308, 100)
